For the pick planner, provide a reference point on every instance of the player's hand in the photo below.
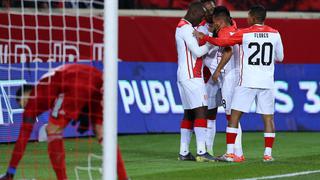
(215, 76)
(198, 35)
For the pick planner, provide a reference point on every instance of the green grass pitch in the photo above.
(155, 157)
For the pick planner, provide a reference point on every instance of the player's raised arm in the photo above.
(226, 56)
(224, 42)
(279, 55)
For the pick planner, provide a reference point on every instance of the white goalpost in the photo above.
(110, 76)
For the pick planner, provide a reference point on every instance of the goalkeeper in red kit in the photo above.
(71, 92)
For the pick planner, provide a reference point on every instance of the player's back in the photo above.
(77, 83)
(79, 75)
(261, 46)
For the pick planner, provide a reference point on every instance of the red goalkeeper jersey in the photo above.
(66, 91)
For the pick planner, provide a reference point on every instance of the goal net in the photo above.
(36, 36)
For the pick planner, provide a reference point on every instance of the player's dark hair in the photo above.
(223, 12)
(196, 6)
(259, 12)
(195, 13)
(204, 1)
(24, 88)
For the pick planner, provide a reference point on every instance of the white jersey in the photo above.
(261, 46)
(189, 52)
(233, 64)
(210, 59)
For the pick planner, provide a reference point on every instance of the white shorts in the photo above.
(193, 93)
(229, 83)
(214, 94)
(244, 97)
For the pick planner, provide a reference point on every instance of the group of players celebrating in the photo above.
(241, 64)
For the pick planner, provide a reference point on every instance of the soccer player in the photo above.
(191, 84)
(69, 92)
(226, 69)
(213, 89)
(261, 46)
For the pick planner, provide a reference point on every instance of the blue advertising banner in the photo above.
(149, 101)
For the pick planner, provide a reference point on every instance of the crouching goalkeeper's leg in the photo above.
(56, 150)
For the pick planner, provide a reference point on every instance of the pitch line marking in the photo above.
(284, 175)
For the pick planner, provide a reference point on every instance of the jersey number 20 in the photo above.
(253, 60)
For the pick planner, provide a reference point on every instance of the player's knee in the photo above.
(268, 118)
(212, 114)
(200, 112)
(53, 129)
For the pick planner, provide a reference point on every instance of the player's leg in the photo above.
(241, 102)
(211, 129)
(214, 100)
(195, 98)
(265, 106)
(56, 149)
(19, 147)
(122, 173)
(269, 136)
(230, 81)
(186, 127)
(232, 130)
(200, 126)
(200, 129)
(238, 151)
(96, 118)
(186, 131)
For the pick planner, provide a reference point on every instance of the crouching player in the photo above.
(261, 47)
(69, 92)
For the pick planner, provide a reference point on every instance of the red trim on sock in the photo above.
(231, 138)
(268, 141)
(54, 136)
(186, 124)
(228, 117)
(200, 123)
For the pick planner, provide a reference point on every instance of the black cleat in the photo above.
(206, 157)
(6, 176)
(188, 157)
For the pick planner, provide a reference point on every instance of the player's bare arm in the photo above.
(227, 53)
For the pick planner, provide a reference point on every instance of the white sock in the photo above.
(201, 139)
(230, 146)
(211, 133)
(238, 144)
(268, 151)
(185, 141)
